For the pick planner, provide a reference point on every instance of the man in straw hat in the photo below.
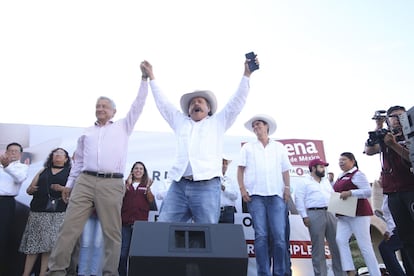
(263, 176)
(194, 194)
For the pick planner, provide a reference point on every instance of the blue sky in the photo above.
(326, 66)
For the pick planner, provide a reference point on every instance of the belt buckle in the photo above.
(98, 174)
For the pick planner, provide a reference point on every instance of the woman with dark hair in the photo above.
(135, 206)
(43, 224)
(353, 182)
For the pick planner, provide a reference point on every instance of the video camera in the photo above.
(377, 136)
(380, 114)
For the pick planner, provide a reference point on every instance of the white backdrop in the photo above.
(156, 150)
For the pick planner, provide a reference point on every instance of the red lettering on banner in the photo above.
(250, 248)
(299, 171)
(302, 151)
(298, 249)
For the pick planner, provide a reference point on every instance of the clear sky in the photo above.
(326, 66)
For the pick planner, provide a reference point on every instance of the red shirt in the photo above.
(396, 173)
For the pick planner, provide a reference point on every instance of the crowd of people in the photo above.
(83, 209)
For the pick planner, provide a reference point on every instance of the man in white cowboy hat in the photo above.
(194, 193)
(263, 176)
(229, 194)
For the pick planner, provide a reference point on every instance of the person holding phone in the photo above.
(194, 194)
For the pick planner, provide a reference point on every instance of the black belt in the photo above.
(7, 197)
(104, 175)
(227, 208)
(188, 177)
(318, 208)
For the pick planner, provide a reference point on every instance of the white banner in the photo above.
(157, 150)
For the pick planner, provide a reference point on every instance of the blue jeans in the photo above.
(126, 243)
(91, 248)
(269, 222)
(188, 200)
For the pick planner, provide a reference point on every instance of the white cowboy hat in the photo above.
(262, 117)
(206, 94)
(226, 157)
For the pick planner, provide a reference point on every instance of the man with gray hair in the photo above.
(97, 182)
(12, 174)
(194, 194)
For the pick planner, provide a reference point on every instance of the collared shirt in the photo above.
(200, 144)
(230, 193)
(388, 216)
(360, 180)
(312, 194)
(103, 148)
(396, 172)
(264, 167)
(357, 183)
(12, 177)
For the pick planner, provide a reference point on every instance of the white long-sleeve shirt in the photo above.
(200, 144)
(360, 180)
(387, 216)
(312, 194)
(230, 193)
(12, 177)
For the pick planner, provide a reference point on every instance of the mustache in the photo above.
(196, 109)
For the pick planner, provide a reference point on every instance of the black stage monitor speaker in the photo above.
(186, 249)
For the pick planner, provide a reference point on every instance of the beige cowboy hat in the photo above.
(206, 94)
(262, 117)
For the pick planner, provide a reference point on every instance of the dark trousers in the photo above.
(227, 214)
(401, 205)
(126, 243)
(7, 207)
(387, 248)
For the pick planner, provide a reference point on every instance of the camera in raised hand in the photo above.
(377, 136)
(380, 115)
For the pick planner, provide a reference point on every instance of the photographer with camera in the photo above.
(397, 175)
